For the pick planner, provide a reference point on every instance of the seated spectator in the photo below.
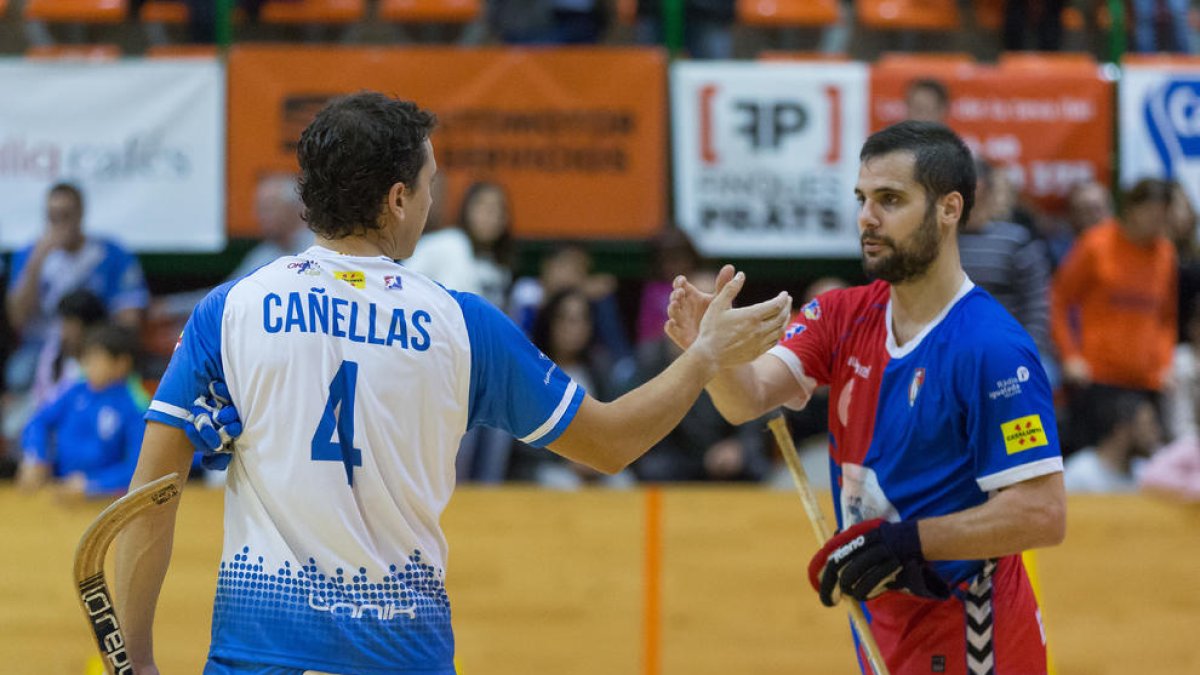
(564, 332)
(474, 255)
(707, 27)
(1182, 396)
(548, 22)
(570, 267)
(703, 446)
(673, 256)
(1174, 471)
(89, 438)
(927, 100)
(1146, 16)
(1129, 432)
(63, 260)
(58, 365)
(1181, 228)
(1049, 32)
(1088, 204)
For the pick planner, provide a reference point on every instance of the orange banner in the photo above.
(577, 136)
(1050, 123)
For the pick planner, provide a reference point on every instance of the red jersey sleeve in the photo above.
(806, 344)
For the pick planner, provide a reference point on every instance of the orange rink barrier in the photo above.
(547, 582)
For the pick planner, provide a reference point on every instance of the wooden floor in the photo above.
(546, 582)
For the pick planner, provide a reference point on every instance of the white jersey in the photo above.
(355, 379)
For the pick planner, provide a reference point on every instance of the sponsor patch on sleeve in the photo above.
(1023, 433)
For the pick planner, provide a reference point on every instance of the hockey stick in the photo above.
(787, 448)
(94, 596)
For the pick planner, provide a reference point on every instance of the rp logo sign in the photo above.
(765, 124)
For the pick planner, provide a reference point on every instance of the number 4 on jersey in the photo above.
(339, 417)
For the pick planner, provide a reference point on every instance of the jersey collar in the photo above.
(897, 352)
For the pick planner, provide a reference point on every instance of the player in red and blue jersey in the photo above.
(943, 446)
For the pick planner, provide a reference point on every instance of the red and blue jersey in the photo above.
(927, 428)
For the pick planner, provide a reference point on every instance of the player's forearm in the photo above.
(609, 436)
(1028, 515)
(143, 550)
(737, 394)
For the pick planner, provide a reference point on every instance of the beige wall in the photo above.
(548, 582)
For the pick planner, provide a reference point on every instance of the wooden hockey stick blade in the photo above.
(787, 448)
(94, 596)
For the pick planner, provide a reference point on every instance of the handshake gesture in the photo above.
(708, 321)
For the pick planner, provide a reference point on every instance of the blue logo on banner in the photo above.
(1172, 115)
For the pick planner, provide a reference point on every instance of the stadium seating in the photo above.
(181, 51)
(800, 55)
(1045, 61)
(429, 11)
(312, 11)
(76, 11)
(781, 13)
(898, 15)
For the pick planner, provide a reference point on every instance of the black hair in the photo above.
(356, 148)
(84, 305)
(116, 341)
(1115, 408)
(943, 162)
(502, 249)
(934, 86)
(543, 324)
(1149, 190)
(66, 188)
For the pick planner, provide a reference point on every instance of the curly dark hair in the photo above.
(352, 153)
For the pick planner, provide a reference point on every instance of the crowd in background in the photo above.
(1109, 296)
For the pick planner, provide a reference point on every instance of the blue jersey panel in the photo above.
(514, 386)
(195, 363)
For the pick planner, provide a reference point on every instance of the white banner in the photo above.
(145, 140)
(1159, 114)
(766, 156)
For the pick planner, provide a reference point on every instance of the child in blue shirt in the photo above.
(90, 436)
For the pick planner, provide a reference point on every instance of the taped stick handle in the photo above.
(94, 595)
(821, 528)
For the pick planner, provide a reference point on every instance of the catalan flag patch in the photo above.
(354, 277)
(1023, 433)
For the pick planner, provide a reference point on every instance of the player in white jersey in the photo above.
(355, 379)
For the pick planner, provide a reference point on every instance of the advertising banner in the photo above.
(144, 140)
(1049, 126)
(1160, 124)
(577, 136)
(766, 156)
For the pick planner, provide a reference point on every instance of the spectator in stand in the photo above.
(1006, 260)
(1088, 204)
(1182, 397)
(280, 218)
(1128, 432)
(673, 256)
(1181, 224)
(1146, 15)
(704, 447)
(927, 100)
(58, 366)
(1113, 307)
(90, 437)
(548, 22)
(564, 332)
(570, 266)
(707, 27)
(1174, 471)
(1049, 34)
(474, 255)
(63, 260)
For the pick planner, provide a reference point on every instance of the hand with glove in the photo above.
(213, 426)
(871, 558)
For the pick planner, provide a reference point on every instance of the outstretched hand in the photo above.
(731, 336)
(687, 307)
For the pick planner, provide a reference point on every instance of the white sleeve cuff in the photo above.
(807, 384)
(1018, 474)
(555, 416)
